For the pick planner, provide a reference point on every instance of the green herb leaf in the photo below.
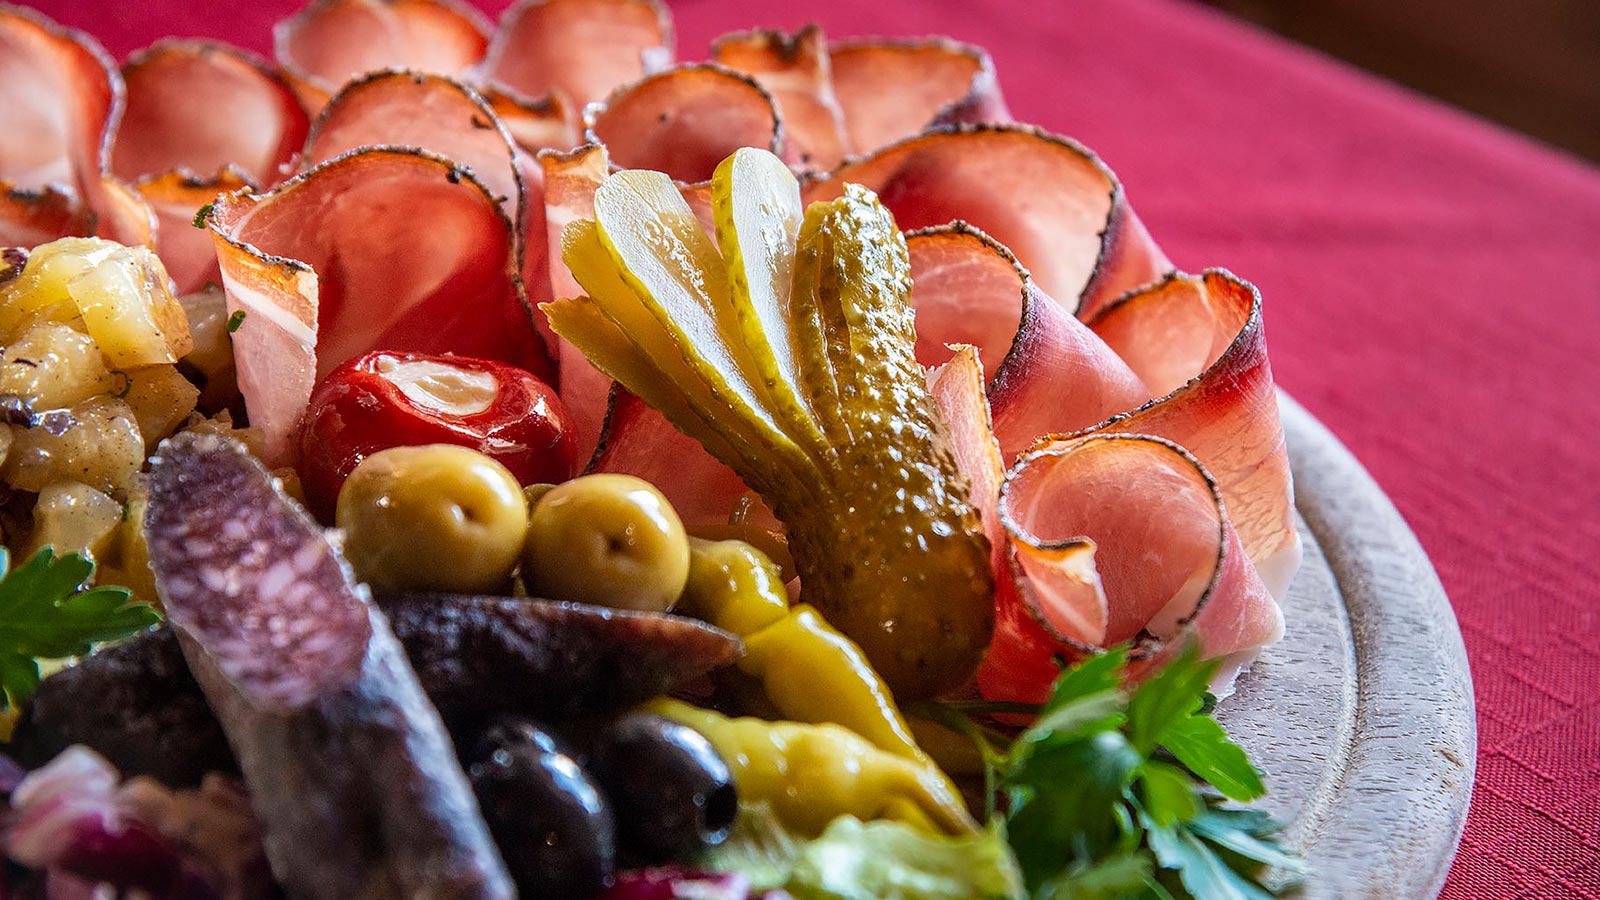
(1113, 878)
(235, 320)
(1171, 696)
(1205, 875)
(1249, 833)
(200, 215)
(1108, 794)
(1167, 794)
(1201, 744)
(45, 613)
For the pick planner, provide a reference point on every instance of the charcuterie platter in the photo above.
(473, 460)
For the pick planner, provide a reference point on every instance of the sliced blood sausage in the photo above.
(484, 656)
(350, 770)
(134, 703)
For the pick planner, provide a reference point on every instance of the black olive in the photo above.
(673, 795)
(552, 826)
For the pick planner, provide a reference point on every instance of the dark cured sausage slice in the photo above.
(350, 770)
(477, 658)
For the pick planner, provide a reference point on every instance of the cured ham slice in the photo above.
(61, 98)
(570, 180)
(1058, 208)
(685, 121)
(1199, 339)
(957, 388)
(1085, 518)
(543, 124)
(889, 90)
(32, 217)
(203, 106)
(417, 109)
(794, 69)
(380, 248)
(61, 95)
(332, 41)
(1058, 377)
(445, 116)
(578, 50)
(638, 440)
(968, 289)
(351, 773)
(186, 251)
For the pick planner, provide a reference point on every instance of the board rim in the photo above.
(1392, 822)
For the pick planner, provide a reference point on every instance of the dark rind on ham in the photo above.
(134, 703)
(350, 771)
(479, 657)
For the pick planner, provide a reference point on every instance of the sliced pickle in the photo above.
(789, 355)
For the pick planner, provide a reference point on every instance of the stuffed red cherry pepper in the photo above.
(389, 399)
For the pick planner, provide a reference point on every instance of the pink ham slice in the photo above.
(332, 41)
(417, 109)
(570, 180)
(1058, 377)
(1199, 341)
(889, 90)
(445, 116)
(380, 248)
(543, 124)
(794, 69)
(30, 218)
(61, 98)
(967, 288)
(202, 106)
(957, 389)
(578, 50)
(685, 121)
(1058, 208)
(637, 440)
(176, 197)
(1082, 517)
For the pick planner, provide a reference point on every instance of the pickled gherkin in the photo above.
(785, 346)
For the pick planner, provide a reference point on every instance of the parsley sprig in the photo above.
(47, 613)
(1112, 794)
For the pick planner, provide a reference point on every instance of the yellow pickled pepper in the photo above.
(810, 671)
(811, 774)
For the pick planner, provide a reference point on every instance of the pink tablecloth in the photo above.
(1433, 291)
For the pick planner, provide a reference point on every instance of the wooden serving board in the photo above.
(1362, 716)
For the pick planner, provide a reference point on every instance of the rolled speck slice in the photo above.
(351, 774)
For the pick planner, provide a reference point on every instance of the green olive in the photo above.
(437, 517)
(611, 540)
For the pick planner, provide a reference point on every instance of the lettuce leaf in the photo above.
(879, 860)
